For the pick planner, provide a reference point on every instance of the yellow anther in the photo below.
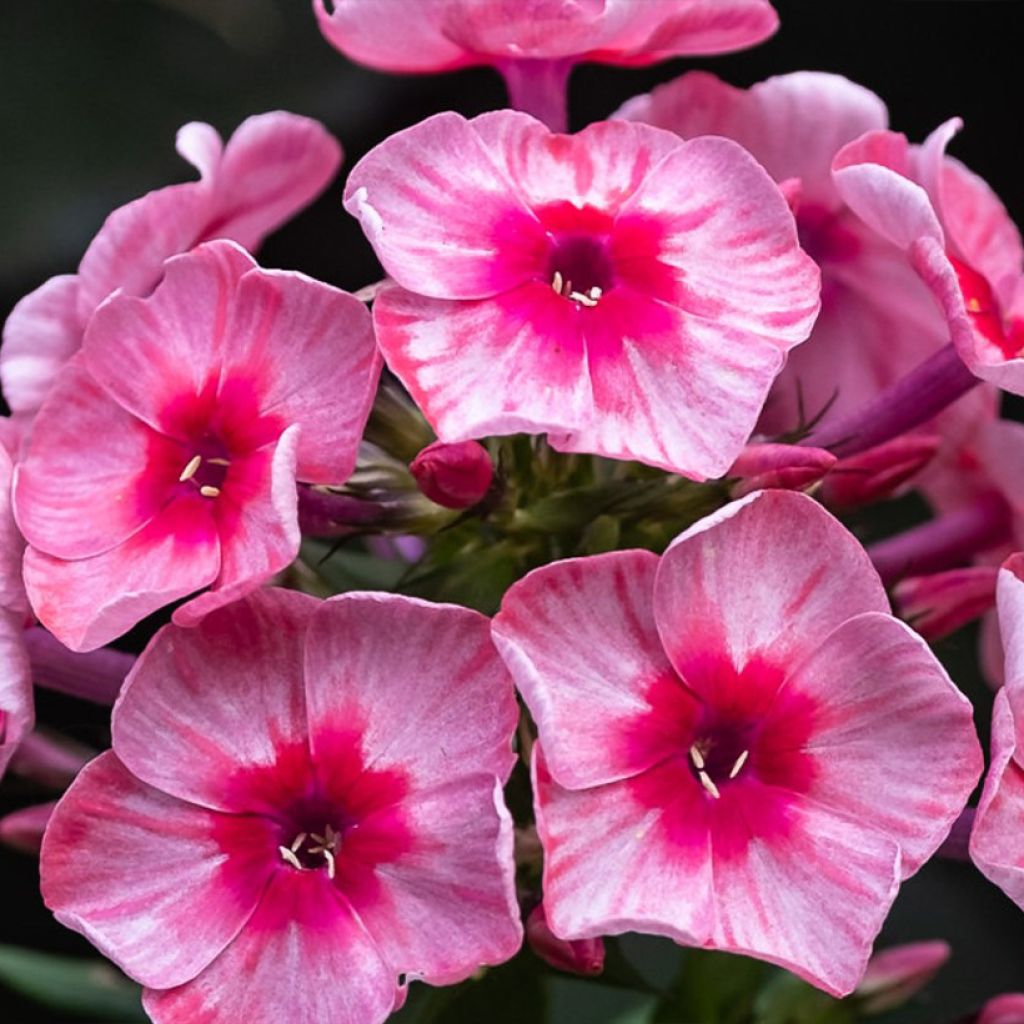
(740, 762)
(191, 468)
(209, 492)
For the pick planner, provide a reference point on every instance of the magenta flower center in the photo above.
(310, 851)
(581, 269)
(206, 470)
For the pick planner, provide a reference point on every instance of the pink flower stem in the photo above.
(540, 88)
(911, 401)
(943, 543)
(955, 846)
(94, 675)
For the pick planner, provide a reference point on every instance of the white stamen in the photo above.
(298, 841)
(740, 762)
(329, 857)
(289, 856)
(595, 292)
(317, 838)
(209, 492)
(191, 468)
(219, 462)
(556, 283)
(705, 781)
(697, 756)
(583, 300)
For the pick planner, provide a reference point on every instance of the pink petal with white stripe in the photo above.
(42, 332)
(580, 639)
(303, 956)
(195, 877)
(766, 578)
(249, 656)
(893, 744)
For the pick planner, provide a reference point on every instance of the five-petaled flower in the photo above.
(314, 849)
(166, 456)
(740, 747)
(629, 293)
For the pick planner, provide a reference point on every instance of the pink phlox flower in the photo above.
(631, 294)
(739, 747)
(271, 167)
(443, 35)
(336, 829)
(166, 456)
(958, 235)
(878, 320)
(996, 844)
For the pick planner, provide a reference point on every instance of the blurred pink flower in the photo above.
(273, 166)
(739, 747)
(878, 320)
(165, 458)
(311, 853)
(629, 293)
(896, 974)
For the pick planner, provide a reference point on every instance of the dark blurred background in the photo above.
(93, 91)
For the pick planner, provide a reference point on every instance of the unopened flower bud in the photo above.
(23, 830)
(940, 603)
(581, 956)
(787, 467)
(895, 975)
(50, 759)
(879, 472)
(453, 475)
(1005, 1009)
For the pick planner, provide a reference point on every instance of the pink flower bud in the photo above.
(453, 475)
(581, 956)
(1006, 1009)
(50, 759)
(787, 467)
(23, 830)
(896, 974)
(939, 604)
(879, 472)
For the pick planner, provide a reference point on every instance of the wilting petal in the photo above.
(312, 351)
(158, 885)
(444, 679)
(496, 366)
(303, 956)
(42, 333)
(249, 657)
(89, 602)
(580, 641)
(893, 747)
(768, 577)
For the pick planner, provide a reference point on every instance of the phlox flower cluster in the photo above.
(608, 433)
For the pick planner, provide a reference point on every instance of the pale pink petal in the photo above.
(83, 486)
(735, 261)
(996, 846)
(257, 514)
(580, 640)
(16, 709)
(201, 145)
(766, 578)
(12, 543)
(893, 747)
(130, 249)
(303, 957)
(311, 351)
(272, 166)
(444, 679)
(670, 389)
(601, 166)
(612, 864)
(792, 124)
(1010, 604)
(442, 218)
(229, 692)
(89, 602)
(812, 901)
(497, 366)
(158, 885)
(148, 352)
(42, 333)
(448, 905)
